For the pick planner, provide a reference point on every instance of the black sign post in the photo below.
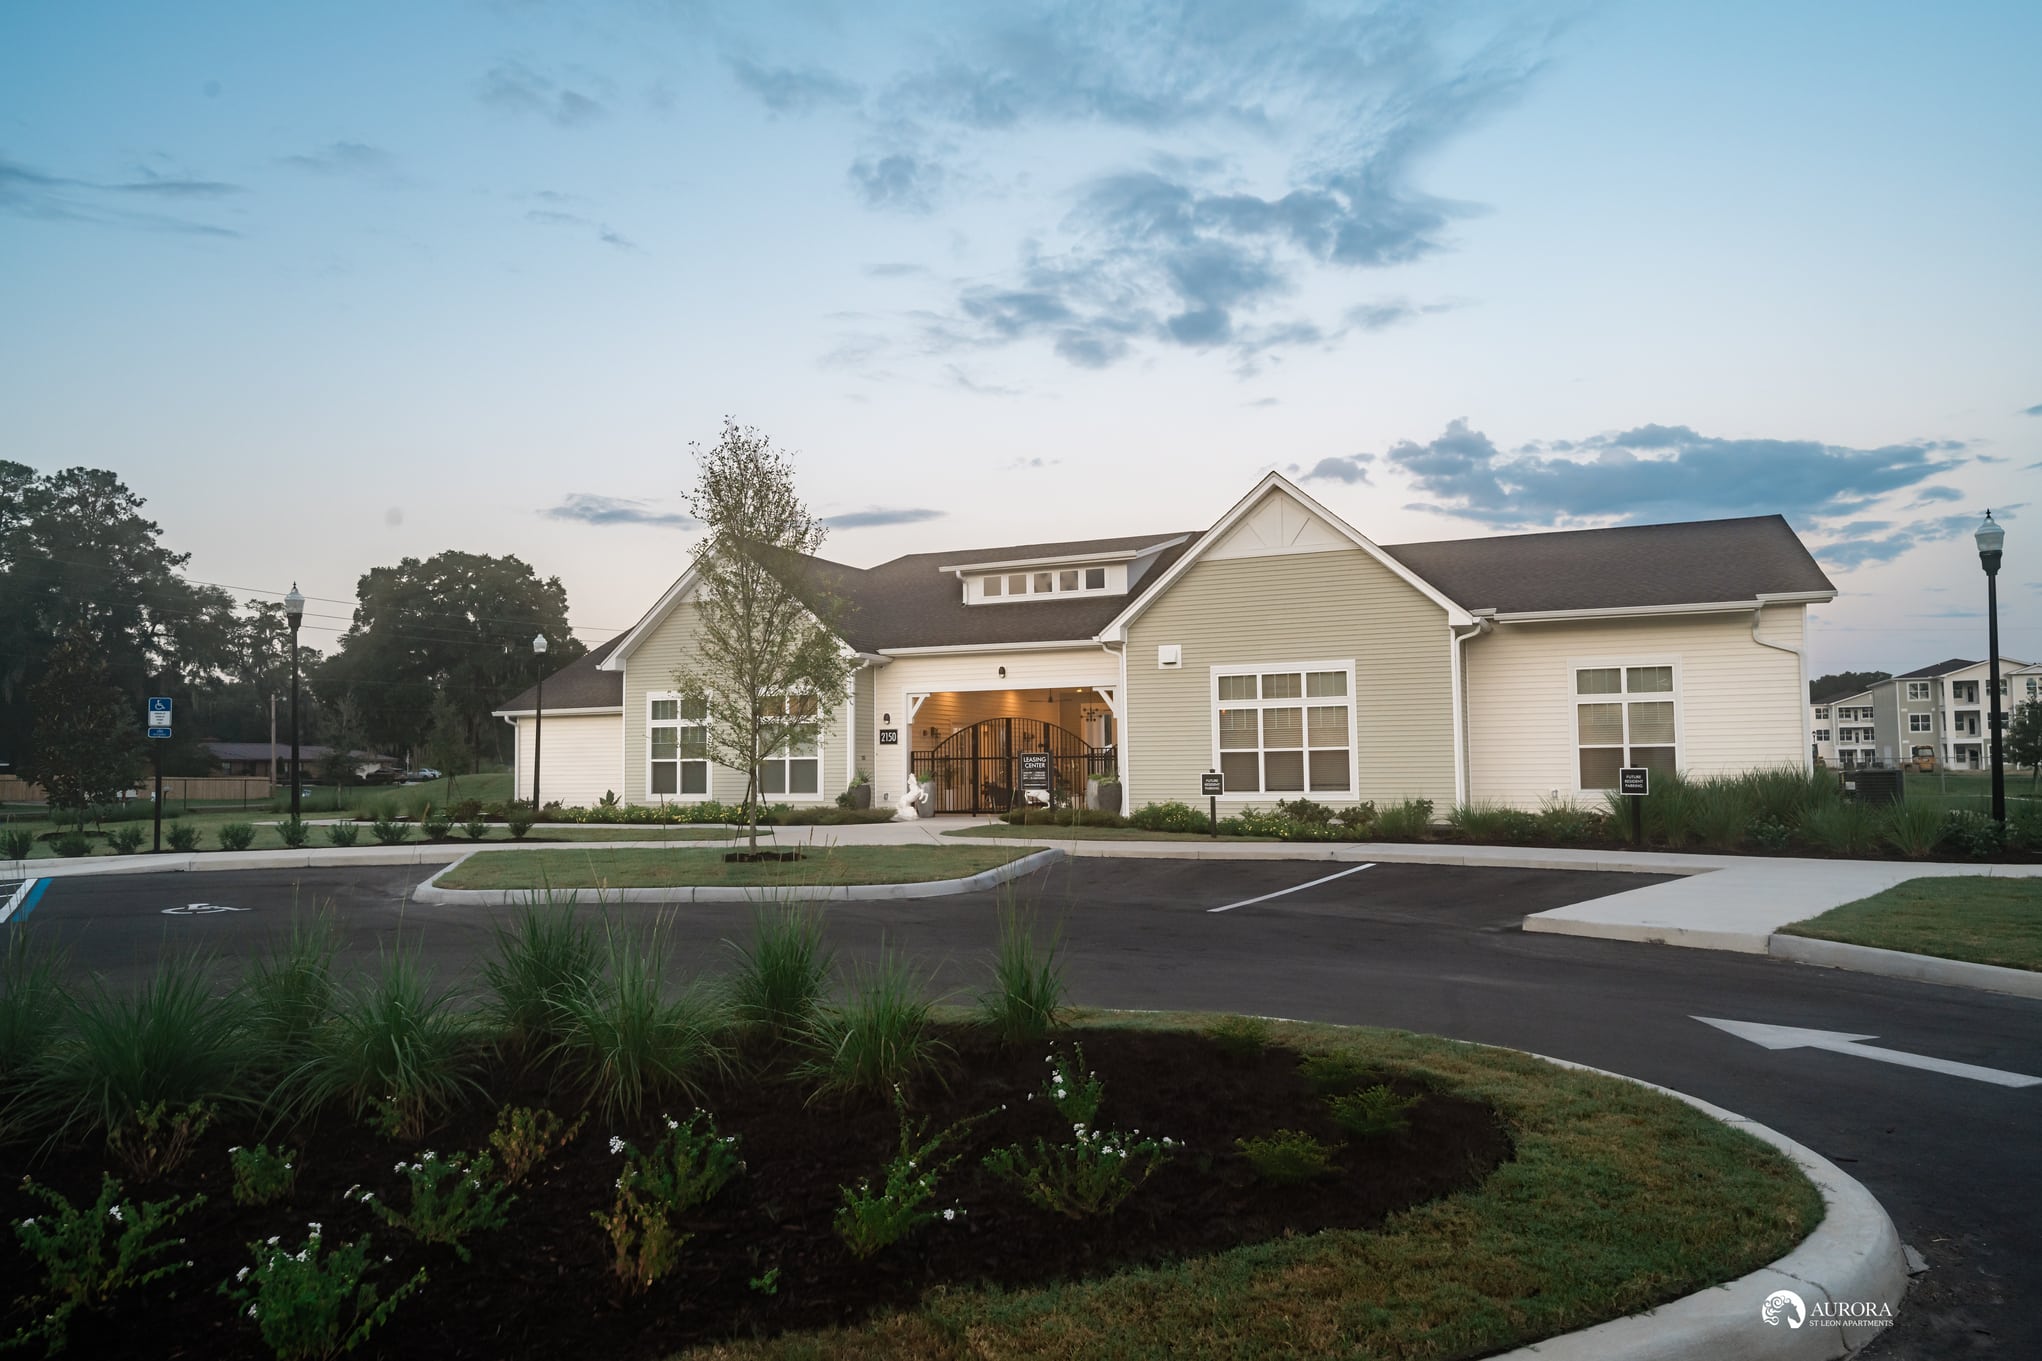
(1212, 784)
(1634, 783)
(157, 720)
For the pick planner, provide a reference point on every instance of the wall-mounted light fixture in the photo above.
(1003, 673)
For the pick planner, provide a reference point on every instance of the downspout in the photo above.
(1801, 678)
(1120, 769)
(1458, 681)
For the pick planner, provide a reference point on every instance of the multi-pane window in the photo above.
(1062, 581)
(1623, 716)
(1917, 689)
(1822, 734)
(1284, 731)
(795, 768)
(677, 747)
(1921, 722)
(1821, 712)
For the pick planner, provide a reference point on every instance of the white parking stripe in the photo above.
(1249, 902)
(15, 898)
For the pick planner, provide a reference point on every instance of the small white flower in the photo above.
(235, 1149)
(242, 1274)
(950, 1214)
(616, 1144)
(272, 1241)
(314, 1226)
(115, 1211)
(349, 1193)
(672, 1123)
(398, 1168)
(251, 1311)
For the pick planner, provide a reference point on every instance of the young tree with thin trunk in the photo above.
(769, 668)
(2023, 742)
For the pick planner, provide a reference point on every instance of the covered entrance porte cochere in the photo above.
(968, 745)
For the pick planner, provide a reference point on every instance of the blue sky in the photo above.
(332, 285)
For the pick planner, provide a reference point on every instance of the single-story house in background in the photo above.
(260, 758)
(1280, 647)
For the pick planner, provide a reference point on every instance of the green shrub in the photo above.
(1722, 813)
(1841, 828)
(434, 826)
(389, 831)
(16, 843)
(868, 1220)
(184, 840)
(475, 829)
(396, 1053)
(260, 1176)
(448, 1199)
(1289, 1157)
(467, 810)
(1787, 794)
(159, 1139)
(289, 990)
(32, 1010)
(342, 833)
(525, 1137)
(172, 1041)
(1372, 1111)
(71, 845)
(1173, 816)
(878, 1038)
(545, 958)
(1305, 811)
(1332, 1074)
(518, 821)
(1026, 1001)
(1092, 1172)
(236, 836)
(125, 838)
(1567, 823)
(1356, 819)
(628, 1042)
(1671, 809)
(85, 1257)
(782, 978)
(1405, 820)
(311, 1304)
(1770, 834)
(1977, 835)
(688, 1167)
(1914, 829)
(1493, 824)
(1241, 1037)
(294, 833)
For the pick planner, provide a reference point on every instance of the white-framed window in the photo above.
(990, 586)
(1060, 581)
(1917, 689)
(2034, 687)
(1822, 734)
(1095, 580)
(1821, 711)
(1921, 722)
(1285, 729)
(1625, 714)
(797, 767)
(676, 747)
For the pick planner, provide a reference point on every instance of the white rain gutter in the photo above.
(1800, 656)
(1458, 682)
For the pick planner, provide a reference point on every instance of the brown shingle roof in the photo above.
(578, 685)
(1939, 669)
(1628, 566)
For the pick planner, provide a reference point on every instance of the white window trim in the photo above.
(1056, 590)
(1622, 697)
(1923, 686)
(783, 757)
(1346, 668)
(1926, 720)
(709, 771)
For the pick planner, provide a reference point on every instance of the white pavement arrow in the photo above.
(1836, 1042)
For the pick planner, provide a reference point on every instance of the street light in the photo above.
(1990, 537)
(294, 613)
(539, 718)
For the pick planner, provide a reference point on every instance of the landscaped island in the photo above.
(690, 866)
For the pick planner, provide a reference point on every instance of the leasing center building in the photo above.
(1279, 647)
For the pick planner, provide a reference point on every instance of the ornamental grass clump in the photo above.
(1405, 820)
(311, 1303)
(160, 1138)
(1332, 1074)
(1372, 1111)
(783, 976)
(396, 1053)
(1026, 1002)
(1841, 828)
(16, 843)
(545, 959)
(870, 1218)
(86, 1256)
(262, 1177)
(525, 1137)
(688, 1167)
(447, 1199)
(31, 1012)
(878, 1039)
(1092, 1172)
(289, 990)
(628, 1042)
(1289, 1157)
(1241, 1037)
(1914, 829)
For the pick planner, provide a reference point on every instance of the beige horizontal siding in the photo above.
(577, 758)
(651, 669)
(1742, 706)
(1324, 606)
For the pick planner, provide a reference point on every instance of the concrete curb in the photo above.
(1954, 973)
(1853, 1256)
(1386, 852)
(430, 892)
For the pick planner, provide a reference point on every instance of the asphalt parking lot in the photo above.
(1426, 948)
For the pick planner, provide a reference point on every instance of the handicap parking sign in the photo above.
(159, 716)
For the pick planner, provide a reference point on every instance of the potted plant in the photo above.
(1103, 791)
(858, 794)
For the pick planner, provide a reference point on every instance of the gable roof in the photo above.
(578, 685)
(1695, 562)
(1943, 668)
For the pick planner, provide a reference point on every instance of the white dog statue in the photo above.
(907, 808)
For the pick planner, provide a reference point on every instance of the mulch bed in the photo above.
(541, 1286)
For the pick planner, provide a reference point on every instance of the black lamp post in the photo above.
(294, 613)
(1990, 538)
(539, 718)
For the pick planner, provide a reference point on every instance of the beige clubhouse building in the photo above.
(1279, 647)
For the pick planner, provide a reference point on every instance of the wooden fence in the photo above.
(245, 790)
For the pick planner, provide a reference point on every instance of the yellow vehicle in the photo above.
(1925, 759)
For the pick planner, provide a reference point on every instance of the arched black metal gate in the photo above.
(978, 769)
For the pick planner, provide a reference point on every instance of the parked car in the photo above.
(421, 775)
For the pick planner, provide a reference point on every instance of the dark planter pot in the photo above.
(861, 795)
(1105, 796)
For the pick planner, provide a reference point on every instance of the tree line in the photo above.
(96, 614)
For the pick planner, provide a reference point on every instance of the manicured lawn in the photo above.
(267, 838)
(684, 868)
(1969, 917)
(1002, 830)
(1618, 1200)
